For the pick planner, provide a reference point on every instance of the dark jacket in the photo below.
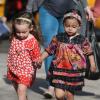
(33, 5)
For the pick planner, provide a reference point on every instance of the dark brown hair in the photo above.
(71, 17)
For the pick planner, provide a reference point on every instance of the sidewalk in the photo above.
(91, 91)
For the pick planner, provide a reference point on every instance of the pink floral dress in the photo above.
(22, 54)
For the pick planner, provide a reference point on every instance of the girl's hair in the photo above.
(76, 10)
(20, 18)
(24, 18)
(73, 13)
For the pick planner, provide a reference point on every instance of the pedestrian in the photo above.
(96, 8)
(51, 14)
(4, 29)
(23, 54)
(96, 13)
(3, 19)
(66, 73)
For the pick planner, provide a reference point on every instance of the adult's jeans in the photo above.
(50, 26)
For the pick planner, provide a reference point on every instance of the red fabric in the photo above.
(20, 67)
(19, 4)
(63, 64)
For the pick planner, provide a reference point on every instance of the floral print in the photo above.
(20, 57)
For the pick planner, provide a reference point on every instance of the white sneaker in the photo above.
(48, 95)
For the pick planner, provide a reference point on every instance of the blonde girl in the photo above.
(23, 54)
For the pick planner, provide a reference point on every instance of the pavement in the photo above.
(7, 92)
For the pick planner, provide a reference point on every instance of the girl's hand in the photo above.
(92, 63)
(40, 60)
(93, 68)
(37, 65)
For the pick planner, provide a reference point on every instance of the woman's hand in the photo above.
(89, 13)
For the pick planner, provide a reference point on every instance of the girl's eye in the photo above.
(74, 26)
(22, 32)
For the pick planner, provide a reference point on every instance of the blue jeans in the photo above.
(50, 26)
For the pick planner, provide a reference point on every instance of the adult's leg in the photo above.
(80, 8)
(61, 27)
(49, 27)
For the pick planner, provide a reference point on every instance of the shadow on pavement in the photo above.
(97, 96)
(6, 80)
(85, 93)
(4, 45)
(38, 86)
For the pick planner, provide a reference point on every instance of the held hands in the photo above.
(37, 65)
(43, 56)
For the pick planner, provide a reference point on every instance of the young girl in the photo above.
(69, 63)
(23, 54)
(51, 13)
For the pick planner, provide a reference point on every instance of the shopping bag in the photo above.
(96, 51)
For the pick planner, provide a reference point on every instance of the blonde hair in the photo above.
(21, 18)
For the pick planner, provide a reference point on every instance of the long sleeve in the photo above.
(33, 5)
(52, 46)
(35, 55)
(35, 52)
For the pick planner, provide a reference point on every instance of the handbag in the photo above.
(97, 32)
(96, 51)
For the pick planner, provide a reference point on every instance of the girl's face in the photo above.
(22, 30)
(71, 26)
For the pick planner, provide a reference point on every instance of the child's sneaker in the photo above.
(48, 95)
